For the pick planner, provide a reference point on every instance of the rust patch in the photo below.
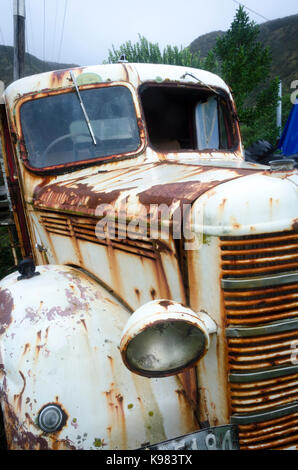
(161, 247)
(185, 192)
(6, 307)
(166, 303)
(188, 380)
(115, 402)
(126, 76)
(222, 205)
(73, 197)
(84, 324)
(188, 418)
(26, 349)
(18, 398)
(153, 293)
(57, 78)
(138, 294)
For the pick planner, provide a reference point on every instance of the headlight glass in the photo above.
(165, 347)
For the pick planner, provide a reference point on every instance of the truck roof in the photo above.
(136, 74)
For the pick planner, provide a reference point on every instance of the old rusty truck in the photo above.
(154, 303)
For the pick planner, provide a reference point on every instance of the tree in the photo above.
(245, 65)
(145, 51)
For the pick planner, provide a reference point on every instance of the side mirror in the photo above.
(163, 338)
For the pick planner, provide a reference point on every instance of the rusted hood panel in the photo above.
(138, 187)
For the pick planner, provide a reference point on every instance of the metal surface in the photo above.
(66, 331)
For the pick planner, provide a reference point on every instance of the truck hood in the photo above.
(138, 187)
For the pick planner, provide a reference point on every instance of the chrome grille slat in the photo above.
(259, 282)
(266, 374)
(262, 417)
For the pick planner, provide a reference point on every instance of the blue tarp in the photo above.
(288, 143)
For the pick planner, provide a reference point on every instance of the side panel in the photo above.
(59, 344)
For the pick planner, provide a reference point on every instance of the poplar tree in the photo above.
(144, 51)
(245, 65)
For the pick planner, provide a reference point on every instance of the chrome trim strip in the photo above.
(274, 327)
(250, 283)
(268, 415)
(272, 373)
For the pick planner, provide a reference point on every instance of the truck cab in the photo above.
(156, 300)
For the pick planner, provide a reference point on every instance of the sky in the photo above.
(82, 31)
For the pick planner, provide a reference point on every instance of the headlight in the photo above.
(50, 419)
(163, 338)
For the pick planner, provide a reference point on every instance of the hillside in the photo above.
(32, 65)
(280, 35)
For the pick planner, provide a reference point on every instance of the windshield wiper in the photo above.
(200, 81)
(83, 108)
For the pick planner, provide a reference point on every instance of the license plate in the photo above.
(217, 438)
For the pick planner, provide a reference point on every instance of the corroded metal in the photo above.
(65, 352)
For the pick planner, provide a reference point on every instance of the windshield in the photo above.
(56, 132)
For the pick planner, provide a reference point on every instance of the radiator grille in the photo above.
(261, 352)
(259, 306)
(260, 290)
(277, 434)
(264, 395)
(85, 229)
(259, 255)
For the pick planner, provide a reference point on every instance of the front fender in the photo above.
(59, 344)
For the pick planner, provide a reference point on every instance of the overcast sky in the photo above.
(92, 26)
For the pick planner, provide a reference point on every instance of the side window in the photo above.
(187, 118)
